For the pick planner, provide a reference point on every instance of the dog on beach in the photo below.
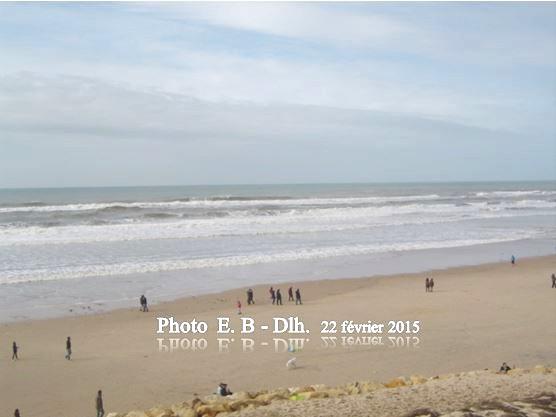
(292, 363)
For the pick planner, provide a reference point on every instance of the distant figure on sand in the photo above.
(278, 297)
(513, 260)
(250, 299)
(427, 285)
(272, 295)
(16, 413)
(99, 404)
(290, 294)
(238, 307)
(14, 351)
(68, 348)
(292, 363)
(298, 297)
(504, 368)
(553, 281)
(223, 390)
(143, 301)
(431, 284)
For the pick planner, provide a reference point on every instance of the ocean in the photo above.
(83, 250)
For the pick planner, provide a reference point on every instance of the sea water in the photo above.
(80, 250)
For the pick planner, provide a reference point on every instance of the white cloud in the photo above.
(315, 22)
(349, 79)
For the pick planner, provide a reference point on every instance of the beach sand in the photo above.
(476, 318)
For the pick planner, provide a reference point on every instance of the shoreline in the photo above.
(419, 262)
(477, 317)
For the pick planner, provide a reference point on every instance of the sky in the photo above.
(106, 94)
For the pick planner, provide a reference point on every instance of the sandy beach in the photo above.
(476, 318)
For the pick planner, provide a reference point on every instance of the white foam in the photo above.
(126, 268)
(519, 193)
(296, 221)
(223, 203)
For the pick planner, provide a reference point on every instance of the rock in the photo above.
(353, 389)
(210, 410)
(186, 412)
(336, 392)
(241, 395)
(540, 369)
(422, 412)
(183, 410)
(396, 382)
(273, 396)
(417, 379)
(240, 404)
(212, 398)
(297, 390)
(136, 414)
(370, 386)
(160, 412)
(313, 394)
(518, 371)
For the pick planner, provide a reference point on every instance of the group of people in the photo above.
(276, 296)
(504, 368)
(429, 285)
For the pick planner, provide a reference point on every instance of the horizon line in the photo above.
(281, 183)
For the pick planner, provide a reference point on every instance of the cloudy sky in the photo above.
(212, 93)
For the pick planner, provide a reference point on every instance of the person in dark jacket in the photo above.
(278, 297)
(15, 348)
(250, 297)
(68, 348)
(298, 297)
(99, 404)
(290, 294)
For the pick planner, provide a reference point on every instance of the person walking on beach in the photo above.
(238, 307)
(68, 348)
(16, 413)
(144, 306)
(99, 404)
(431, 284)
(427, 285)
(553, 281)
(250, 299)
(513, 260)
(272, 295)
(278, 297)
(290, 294)
(15, 348)
(298, 297)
